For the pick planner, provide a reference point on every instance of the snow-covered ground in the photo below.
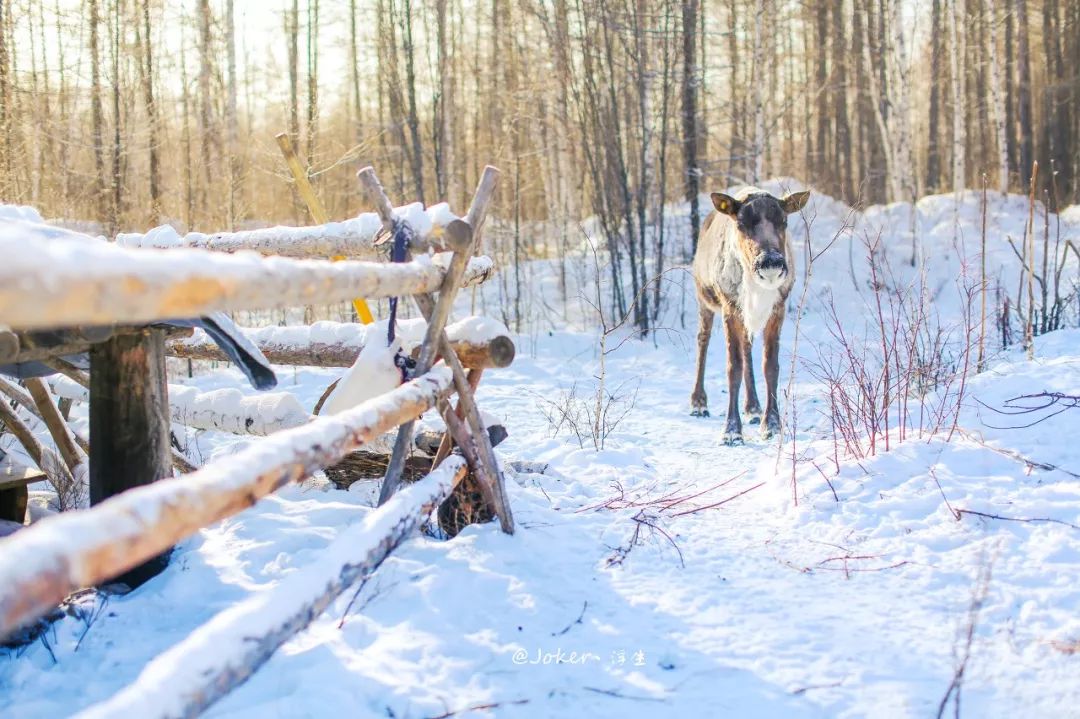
(666, 574)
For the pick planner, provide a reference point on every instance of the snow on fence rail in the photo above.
(350, 238)
(220, 410)
(479, 343)
(91, 282)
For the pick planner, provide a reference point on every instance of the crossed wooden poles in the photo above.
(464, 424)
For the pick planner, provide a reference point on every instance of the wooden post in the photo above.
(129, 424)
(484, 462)
(318, 213)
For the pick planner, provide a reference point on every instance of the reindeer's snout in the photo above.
(770, 266)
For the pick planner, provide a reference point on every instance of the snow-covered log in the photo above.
(350, 238)
(219, 656)
(69, 280)
(222, 410)
(479, 342)
(44, 563)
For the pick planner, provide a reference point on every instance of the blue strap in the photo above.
(402, 234)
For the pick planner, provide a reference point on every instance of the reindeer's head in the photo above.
(761, 222)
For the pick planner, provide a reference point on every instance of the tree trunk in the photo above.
(413, 118)
(146, 68)
(292, 34)
(1024, 128)
(690, 80)
(933, 154)
(997, 98)
(959, 105)
(97, 119)
(230, 117)
(312, 80)
(206, 109)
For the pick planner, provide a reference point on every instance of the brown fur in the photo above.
(743, 270)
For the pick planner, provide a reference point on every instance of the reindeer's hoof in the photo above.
(770, 429)
(699, 412)
(733, 439)
(753, 417)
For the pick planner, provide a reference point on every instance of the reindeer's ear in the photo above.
(795, 201)
(725, 204)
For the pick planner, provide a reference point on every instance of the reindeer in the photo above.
(742, 268)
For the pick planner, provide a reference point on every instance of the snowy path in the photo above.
(734, 628)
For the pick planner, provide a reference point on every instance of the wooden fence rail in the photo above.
(333, 344)
(99, 283)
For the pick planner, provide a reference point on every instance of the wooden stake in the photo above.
(318, 213)
(129, 425)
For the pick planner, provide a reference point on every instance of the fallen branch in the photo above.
(1013, 454)
(479, 707)
(959, 512)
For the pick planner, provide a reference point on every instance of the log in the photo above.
(496, 352)
(129, 426)
(61, 434)
(23, 397)
(217, 657)
(70, 490)
(351, 238)
(40, 565)
(222, 410)
(13, 493)
(100, 283)
(43, 345)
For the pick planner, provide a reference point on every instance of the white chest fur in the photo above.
(757, 304)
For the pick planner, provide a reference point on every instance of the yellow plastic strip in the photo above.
(318, 213)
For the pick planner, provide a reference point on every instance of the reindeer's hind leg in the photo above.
(735, 333)
(699, 403)
(753, 407)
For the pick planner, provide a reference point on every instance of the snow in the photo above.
(372, 374)
(666, 574)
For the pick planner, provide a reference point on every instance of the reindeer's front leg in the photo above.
(771, 425)
(699, 403)
(752, 407)
(735, 333)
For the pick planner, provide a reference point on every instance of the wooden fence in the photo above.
(74, 294)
